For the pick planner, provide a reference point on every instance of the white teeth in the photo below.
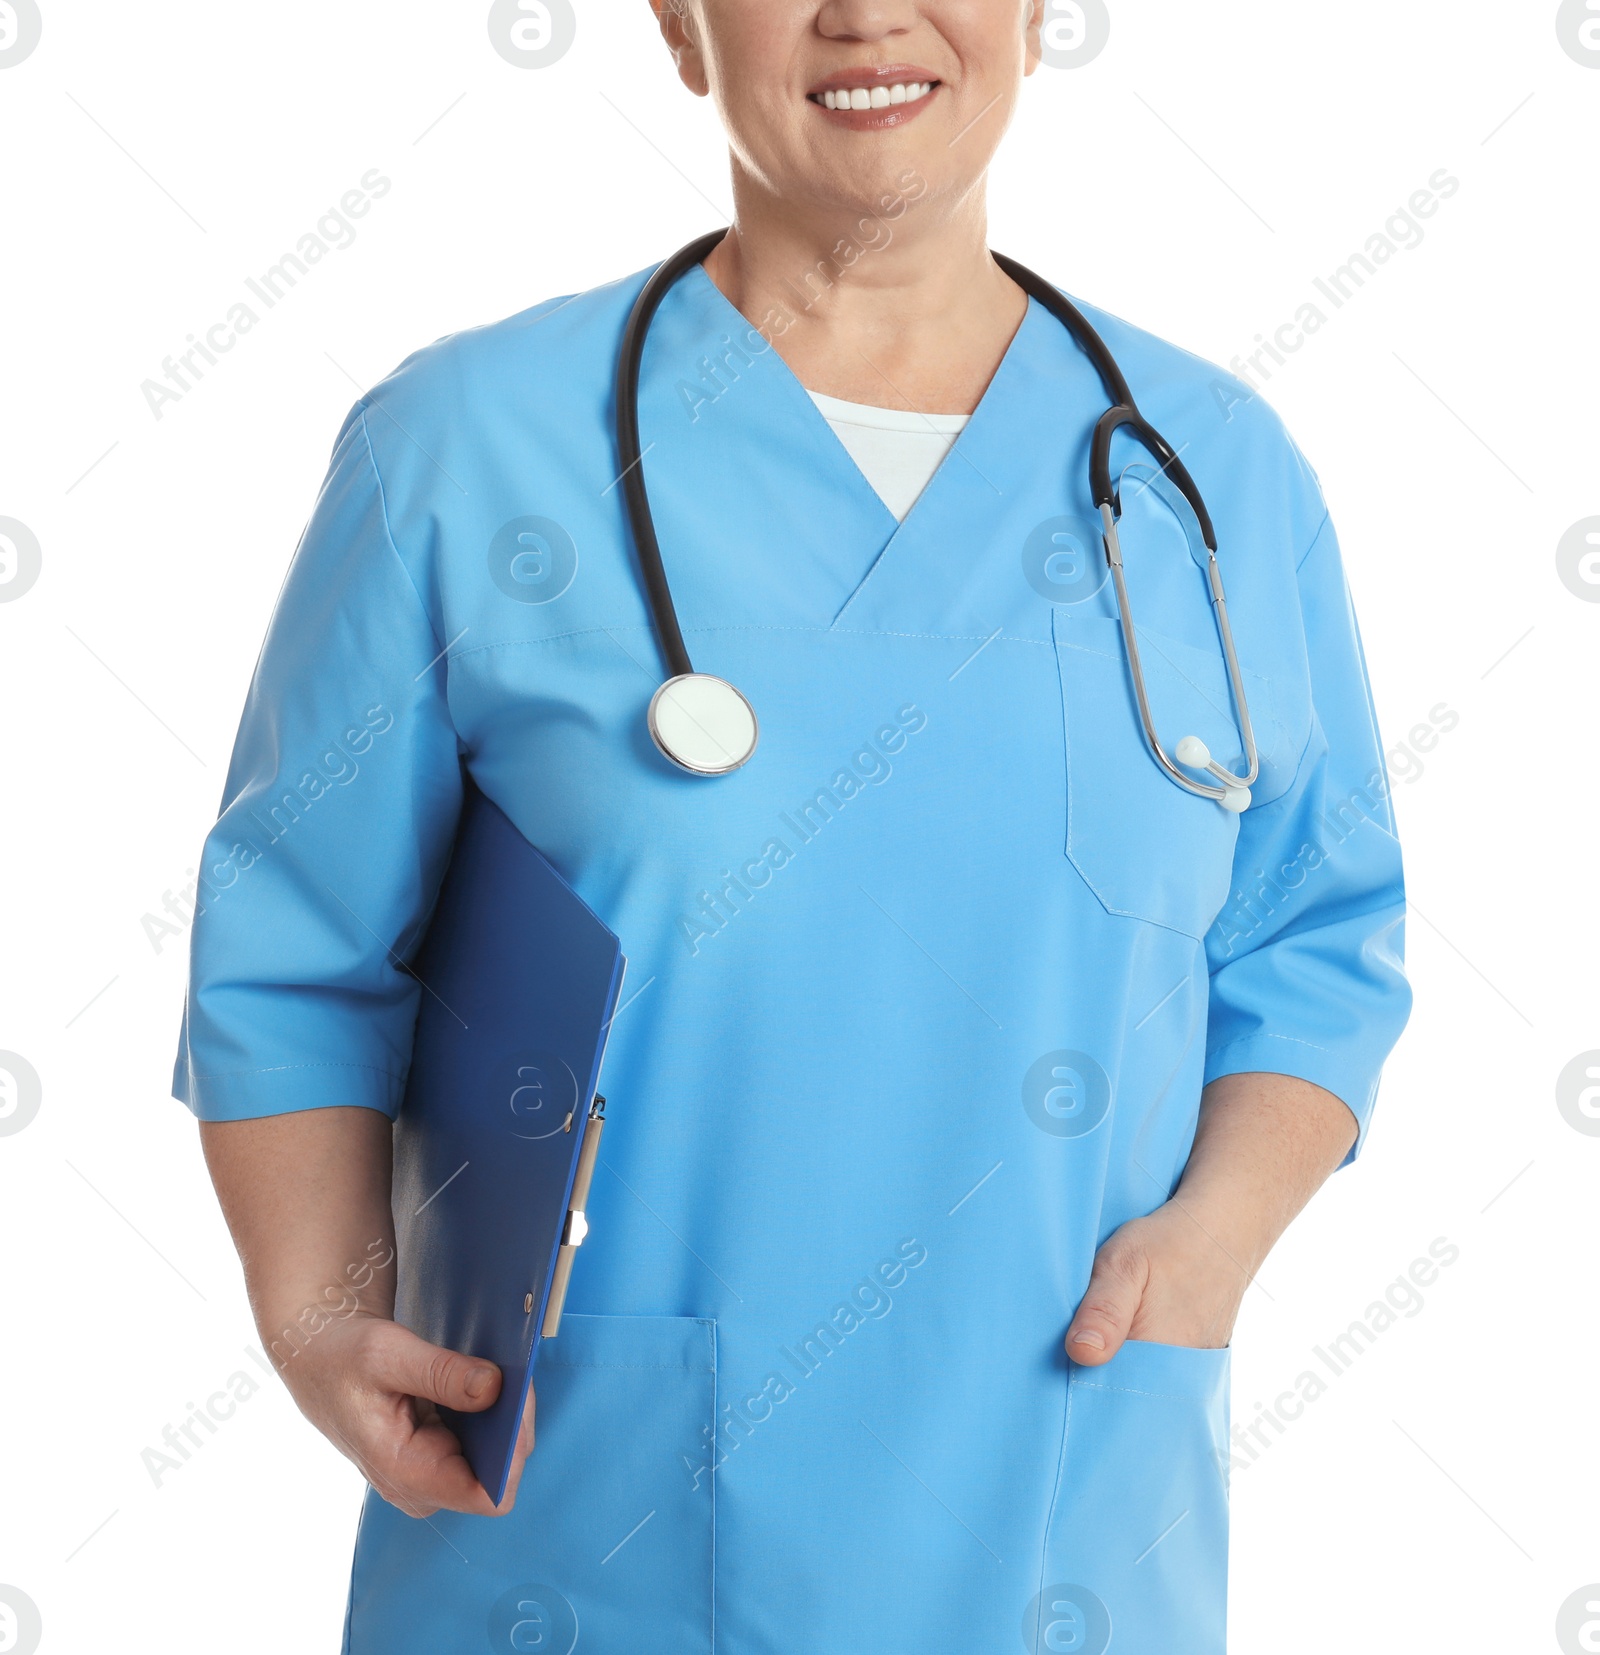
(877, 97)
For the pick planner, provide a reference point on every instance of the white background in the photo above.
(1195, 178)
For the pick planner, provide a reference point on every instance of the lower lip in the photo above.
(877, 120)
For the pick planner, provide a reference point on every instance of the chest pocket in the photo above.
(1144, 846)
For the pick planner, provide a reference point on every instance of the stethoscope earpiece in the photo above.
(1192, 751)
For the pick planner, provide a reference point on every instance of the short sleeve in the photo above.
(340, 805)
(1306, 958)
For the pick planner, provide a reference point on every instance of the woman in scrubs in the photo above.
(970, 1067)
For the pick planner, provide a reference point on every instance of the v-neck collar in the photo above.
(766, 521)
(959, 454)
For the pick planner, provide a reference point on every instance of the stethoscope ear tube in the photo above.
(1100, 483)
(1123, 410)
(630, 461)
(1075, 322)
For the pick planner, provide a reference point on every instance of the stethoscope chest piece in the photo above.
(703, 724)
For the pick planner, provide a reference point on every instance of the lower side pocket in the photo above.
(611, 1540)
(1136, 1554)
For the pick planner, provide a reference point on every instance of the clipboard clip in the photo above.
(577, 1224)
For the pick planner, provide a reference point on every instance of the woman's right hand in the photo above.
(374, 1389)
(307, 1195)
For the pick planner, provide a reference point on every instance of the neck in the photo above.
(902, 307)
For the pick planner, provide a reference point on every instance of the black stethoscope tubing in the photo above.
(631, 460)
(1123, 411)
(703, 724)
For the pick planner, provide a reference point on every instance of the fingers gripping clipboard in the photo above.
(499, 1130)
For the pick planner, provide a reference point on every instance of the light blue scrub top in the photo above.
(919, 1003)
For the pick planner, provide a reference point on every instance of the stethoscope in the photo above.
(705, 726)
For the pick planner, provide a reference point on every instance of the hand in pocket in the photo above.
(1161, 1279)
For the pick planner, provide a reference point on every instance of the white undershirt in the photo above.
(897, 452)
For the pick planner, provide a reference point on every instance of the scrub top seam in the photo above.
(1133, 1390)
(751, 626)
(626, 1367)
(1055, 1492)
(1139, 919)
(1327, 518)
(1313, 724)
(1086, 649)
(938, 637)
(355, 1565)
(290, 1068)
(716, 1403)
(388, 530)
(1389, 824)
(1250, 1040)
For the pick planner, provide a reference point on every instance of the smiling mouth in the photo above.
(877, 96)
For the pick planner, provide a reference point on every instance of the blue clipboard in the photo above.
(499, 1129)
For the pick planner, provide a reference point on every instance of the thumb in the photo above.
(414, 1367)
(1116, 1285)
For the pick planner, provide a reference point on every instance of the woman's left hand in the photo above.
(1160, 1278)
(1177, 1276)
